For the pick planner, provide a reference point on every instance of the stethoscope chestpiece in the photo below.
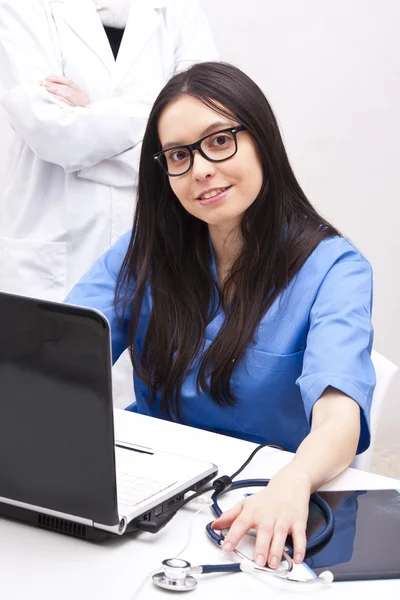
(175, 576)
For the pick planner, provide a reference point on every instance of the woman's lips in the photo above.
(214, 199)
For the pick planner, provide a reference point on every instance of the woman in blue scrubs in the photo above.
(246, 312)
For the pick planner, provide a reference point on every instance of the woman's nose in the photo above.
(202, 168)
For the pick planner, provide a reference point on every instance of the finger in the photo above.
(227, 518)
(277, 544)
(238, 529)
(63, 100)
(263, 542)
(299, 543)
(63, 92)
(56, 79)
(54, 88)
(62, 81)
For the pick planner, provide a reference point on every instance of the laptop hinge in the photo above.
(118, 529)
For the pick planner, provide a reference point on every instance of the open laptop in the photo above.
(60, 467)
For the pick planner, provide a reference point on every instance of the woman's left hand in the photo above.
(279, 510)
(66, 91)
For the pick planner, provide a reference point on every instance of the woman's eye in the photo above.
(178, 155)
(220, 140)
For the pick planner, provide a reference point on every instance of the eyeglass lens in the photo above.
(217, 147)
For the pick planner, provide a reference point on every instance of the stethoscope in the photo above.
(177, 574)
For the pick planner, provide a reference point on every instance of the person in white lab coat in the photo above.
(74, 160)
(78, 103)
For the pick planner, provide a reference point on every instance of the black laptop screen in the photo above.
(56, 426)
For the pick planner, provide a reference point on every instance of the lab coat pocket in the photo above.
(269, 401)
(33, 268)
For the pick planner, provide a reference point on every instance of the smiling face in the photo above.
(218, 193)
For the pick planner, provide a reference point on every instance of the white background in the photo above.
(331, 70)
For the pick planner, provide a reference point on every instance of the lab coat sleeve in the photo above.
(96, 290)
(188, 25)
(339, 341)
(74, 138)
(121, 170)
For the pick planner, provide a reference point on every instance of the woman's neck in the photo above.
(227, 244)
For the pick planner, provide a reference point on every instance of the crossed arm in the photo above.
(66, 127)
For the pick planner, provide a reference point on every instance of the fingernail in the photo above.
(273, 562)
(260, 560)
(298, 557)
(227, 547)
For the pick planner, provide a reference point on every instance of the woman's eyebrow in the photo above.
(209, 129)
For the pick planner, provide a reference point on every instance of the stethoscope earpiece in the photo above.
(326, 577)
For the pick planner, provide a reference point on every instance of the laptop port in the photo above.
(170, 503)
(146, 517)
(158, 510)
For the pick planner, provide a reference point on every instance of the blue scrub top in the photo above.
(318, 333)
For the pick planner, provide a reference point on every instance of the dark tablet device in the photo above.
(366, 540)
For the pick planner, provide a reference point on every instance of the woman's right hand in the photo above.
(278, 510)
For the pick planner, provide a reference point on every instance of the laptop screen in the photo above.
(56, 421)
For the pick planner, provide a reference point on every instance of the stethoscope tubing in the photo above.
(223, 568)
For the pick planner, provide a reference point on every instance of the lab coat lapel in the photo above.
(82, 17)
(143, 21)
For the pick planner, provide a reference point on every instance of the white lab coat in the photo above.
(73, 171)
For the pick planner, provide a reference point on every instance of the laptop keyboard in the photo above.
(133, 489)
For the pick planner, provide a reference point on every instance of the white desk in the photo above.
(36, 564)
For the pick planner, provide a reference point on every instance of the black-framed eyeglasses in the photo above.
(215, 147)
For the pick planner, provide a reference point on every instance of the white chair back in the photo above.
(385, 371)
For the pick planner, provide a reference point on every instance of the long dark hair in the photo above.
(170, 250)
